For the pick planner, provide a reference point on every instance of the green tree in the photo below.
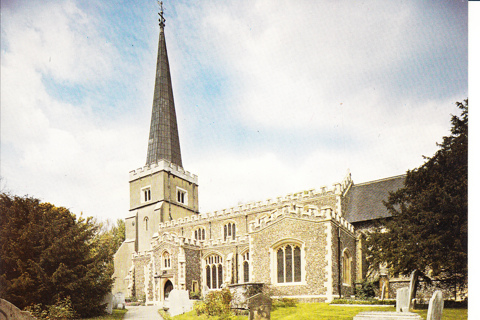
(428, 228)
(47, 254)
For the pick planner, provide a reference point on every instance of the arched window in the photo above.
(246, 267)
(166, 260)
(214, 271)
(146, 223)
(346, 268)
(199, 234)
(229, 230)
(288, 263)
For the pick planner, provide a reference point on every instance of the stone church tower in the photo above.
(162, 190)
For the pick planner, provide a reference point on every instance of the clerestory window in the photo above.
(199, 234)
(229, 231)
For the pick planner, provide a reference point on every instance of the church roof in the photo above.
(163, 141)
(365, 200)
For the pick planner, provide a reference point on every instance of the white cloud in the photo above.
(61, 152)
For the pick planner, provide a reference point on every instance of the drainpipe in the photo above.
(338, 265)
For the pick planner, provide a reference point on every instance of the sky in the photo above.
(272, 97)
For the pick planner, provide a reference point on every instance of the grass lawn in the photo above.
(116, 314)
(323, 311)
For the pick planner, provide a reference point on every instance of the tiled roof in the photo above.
(365, 200)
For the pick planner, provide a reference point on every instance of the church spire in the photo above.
(163, 142)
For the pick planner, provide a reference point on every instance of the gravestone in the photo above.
(119, 301)
(402, 313)
(412, 288)
(259, 306)
(402, 300)
(9, 311)
(435, 306)
(179, 302)
(108, 300)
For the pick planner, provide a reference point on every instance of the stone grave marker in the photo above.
(435, 306)
(119, 302)
(109, 299)
(402, 300)
(179, 302)
(412, 288)
(259, 306)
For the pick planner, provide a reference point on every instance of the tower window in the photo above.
(182, 196)
(146, 194)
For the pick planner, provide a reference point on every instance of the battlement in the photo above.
(243, 208)
(180, 240)
(163, 165)
(309, 212)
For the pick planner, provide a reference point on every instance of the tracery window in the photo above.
(289, 263)
(166, 260)
(346, 268)
(199, 234)
(214, 271)
(246, 267)
(229, 230)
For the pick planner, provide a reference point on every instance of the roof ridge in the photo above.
(380, 180)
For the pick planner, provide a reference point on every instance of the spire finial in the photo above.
(162, 19)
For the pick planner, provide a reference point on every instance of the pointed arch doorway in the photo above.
(168, 286)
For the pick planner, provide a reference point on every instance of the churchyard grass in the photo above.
(323, 311)
(116, 314)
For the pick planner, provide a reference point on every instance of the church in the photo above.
(306, 245)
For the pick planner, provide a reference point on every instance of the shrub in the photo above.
(217, 303)
(61, 310)
(366, 290)
(200, 308)
(196, 295)
(284, 303)
(365, 302)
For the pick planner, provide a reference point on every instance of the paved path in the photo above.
(143, 312)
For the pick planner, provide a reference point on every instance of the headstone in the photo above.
(435, 306)
(119, 302)
(108, 300)
(402, 300)
(412, 288)
(9, 311)
(179, 302)
(259, 306)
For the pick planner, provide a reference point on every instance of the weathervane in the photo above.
(162, 19)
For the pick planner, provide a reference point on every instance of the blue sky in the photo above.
(272, 97)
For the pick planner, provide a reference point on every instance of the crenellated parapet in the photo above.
(174, 239)
(307, 212)
(163, 165)
(243, 209)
